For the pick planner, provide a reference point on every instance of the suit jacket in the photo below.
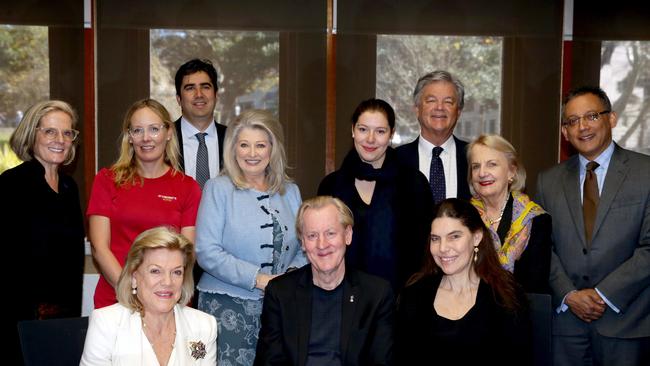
(221, 132)
(618, 260)
(115, 337)
(408, 154)
(366, 320)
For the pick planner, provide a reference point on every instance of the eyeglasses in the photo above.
(52, 133)
(590, 117)
(153, 130)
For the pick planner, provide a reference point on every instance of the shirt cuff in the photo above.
(563, 307)
(610, 304)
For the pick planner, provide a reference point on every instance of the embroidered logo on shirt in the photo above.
(167, 198)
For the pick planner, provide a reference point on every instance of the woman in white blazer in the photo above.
(150, 324)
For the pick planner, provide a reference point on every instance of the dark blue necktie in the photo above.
(437, 176)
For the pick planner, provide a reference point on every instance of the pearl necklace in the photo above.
(490, 221)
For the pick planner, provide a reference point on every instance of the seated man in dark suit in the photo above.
(200, 137)
(325, 313)
(438, 101)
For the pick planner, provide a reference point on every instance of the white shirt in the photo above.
(191, 147)
(448, 157)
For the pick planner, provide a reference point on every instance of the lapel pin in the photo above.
(351, 298)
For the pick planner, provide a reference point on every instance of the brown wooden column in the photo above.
(330, 97)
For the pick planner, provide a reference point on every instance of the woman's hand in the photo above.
(262, 279)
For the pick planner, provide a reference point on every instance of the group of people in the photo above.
(427, 247)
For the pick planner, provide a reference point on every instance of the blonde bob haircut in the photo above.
(126, 166)
(500, 144)
(157, 238)
(257, 119)
(346, 218)
(24, 137)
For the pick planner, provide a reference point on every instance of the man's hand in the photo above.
(586, 304)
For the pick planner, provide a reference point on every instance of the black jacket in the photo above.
(390, 236)
(366, 320)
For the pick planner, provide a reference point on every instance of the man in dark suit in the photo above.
(438, 101)
(325, 313)
(600, 265)
(200, 137)
(196, 93)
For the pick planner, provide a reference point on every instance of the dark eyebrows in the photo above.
(185, 86)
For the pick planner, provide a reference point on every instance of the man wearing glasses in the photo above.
(600, 265)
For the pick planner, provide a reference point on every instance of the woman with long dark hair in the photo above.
(462, 307)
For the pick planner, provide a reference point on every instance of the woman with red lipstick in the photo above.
(391, 203)
(145, 188)
(150, 325)
(462, 307)
(41, 221)
(520, 228)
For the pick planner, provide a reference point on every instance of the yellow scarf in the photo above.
(523, 212)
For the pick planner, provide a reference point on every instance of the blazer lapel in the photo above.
(350, 301)
(303, 311)
(462, 187)
(616, 174)
(221, 133)
(571, 188)
(179, 136)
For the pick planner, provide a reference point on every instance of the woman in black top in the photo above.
(391, 203)
(41, 220)
(462, 308)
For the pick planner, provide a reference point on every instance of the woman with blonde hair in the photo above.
(245, 232)
(150, 324)
(520, 228)
(143, 189)
(41, 220)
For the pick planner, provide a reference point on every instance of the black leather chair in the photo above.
(541, 320)
(53, 342)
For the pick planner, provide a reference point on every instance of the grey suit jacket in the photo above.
(618, 261)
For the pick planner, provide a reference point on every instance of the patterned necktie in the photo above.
(437, 176)
(590, 198)
(202, 167)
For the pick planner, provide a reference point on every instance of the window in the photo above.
(625, 77)
(24, 80)
(247, 64)
(476, 61)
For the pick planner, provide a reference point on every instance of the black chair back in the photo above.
(53, 342)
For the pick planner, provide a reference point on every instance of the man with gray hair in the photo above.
(438, 102)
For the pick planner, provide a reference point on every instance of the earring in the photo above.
(475, 253)
(510, 180)
(134, 290)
